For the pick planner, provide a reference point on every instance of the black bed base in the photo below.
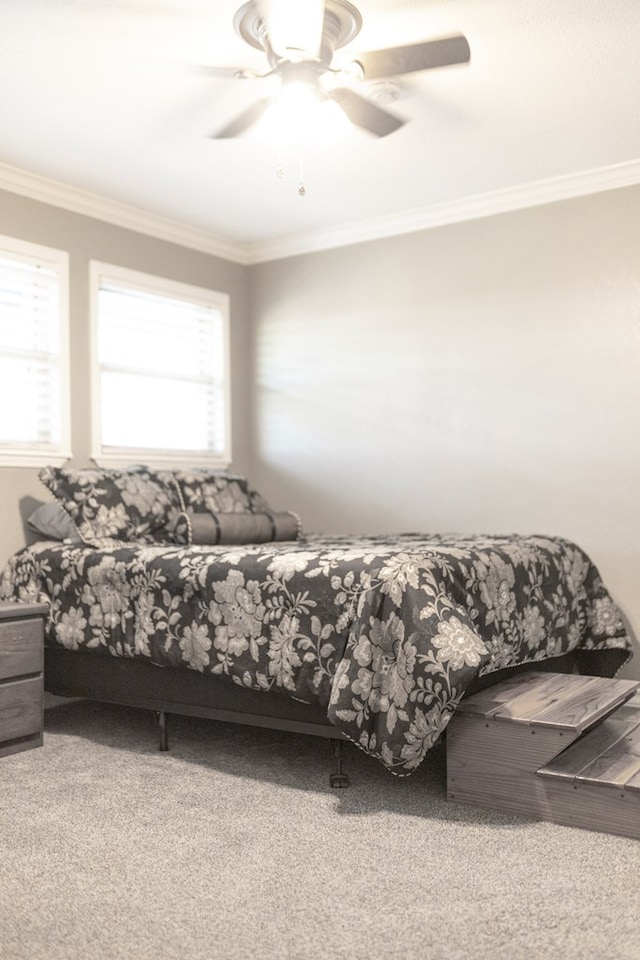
(138, 683)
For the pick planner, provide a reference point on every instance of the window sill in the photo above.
(160, 461)
(18, 458)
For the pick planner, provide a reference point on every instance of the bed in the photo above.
(160, 597)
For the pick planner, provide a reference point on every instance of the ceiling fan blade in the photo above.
(416, 56)
(293, 27)
(243, 121)
(228, 73)
(366, 114)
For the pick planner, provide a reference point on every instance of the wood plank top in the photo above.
(616, 765)
(12, 610)
(491, 699)
(557, 688)
(559, 700)
(609, 754)
(572, 761)
(633, 783)
(585, 705)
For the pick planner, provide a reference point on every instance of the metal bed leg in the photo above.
(162, 729)
(338, 780)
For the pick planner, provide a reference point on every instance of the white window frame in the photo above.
(158, 286)
(58, 261)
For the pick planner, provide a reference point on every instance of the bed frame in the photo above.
(165, 691)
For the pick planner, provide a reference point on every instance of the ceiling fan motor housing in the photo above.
(342, 22)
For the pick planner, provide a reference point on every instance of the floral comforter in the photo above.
(384, 632)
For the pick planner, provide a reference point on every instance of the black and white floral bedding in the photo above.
(385, 632)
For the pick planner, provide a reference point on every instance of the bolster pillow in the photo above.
(238, 528)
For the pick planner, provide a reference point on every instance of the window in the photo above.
(34, 354)
(160, 365)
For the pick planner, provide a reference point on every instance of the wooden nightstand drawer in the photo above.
(20, 708)
(21, 676)
(21, 650)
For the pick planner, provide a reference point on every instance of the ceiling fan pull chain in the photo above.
(301, 189)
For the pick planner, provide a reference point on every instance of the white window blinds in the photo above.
(160, 369)
(34, 369)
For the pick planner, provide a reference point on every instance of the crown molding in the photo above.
(119, 214)
(455, 211)
(474, 207)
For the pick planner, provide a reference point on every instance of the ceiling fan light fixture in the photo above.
(301, 113)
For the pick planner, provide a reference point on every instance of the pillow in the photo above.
(206, 491)
(132, 504)
(239, 528)
(224, 508)
(50, 521)
(257, 501)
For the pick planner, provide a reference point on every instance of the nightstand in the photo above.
(21, 676)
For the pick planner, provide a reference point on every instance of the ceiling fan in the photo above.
(299, 40)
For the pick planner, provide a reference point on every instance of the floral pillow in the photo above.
(205, 491)
(132, 504)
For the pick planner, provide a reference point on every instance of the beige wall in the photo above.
(87, 239)
(479, 377)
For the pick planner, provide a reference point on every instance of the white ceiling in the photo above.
(103, 95)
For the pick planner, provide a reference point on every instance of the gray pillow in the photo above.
(236, 528)
(50, 521)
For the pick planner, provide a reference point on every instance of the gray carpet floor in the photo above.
(233, 846)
